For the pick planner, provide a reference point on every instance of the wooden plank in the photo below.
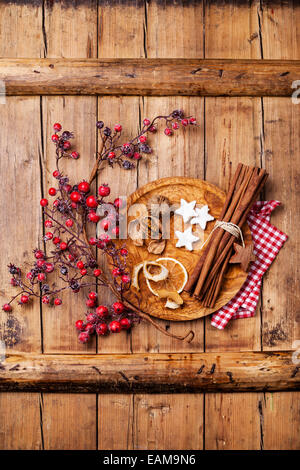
(20, 421)
(168, 422)
(280, 301)
(183, 153)
(226, 427)
(20, 163)
(115, 418)
(233, 129)
(126, 373)
(281, 421)
(69, 422)
(127, 43)
(153, 77)
(70, 32)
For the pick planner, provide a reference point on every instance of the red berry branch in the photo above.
(70, 253)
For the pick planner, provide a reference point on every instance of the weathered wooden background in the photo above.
(255, 130)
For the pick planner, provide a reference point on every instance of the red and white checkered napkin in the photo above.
(267, 241)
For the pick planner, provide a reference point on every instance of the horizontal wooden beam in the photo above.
(150, 373)
(154, 77)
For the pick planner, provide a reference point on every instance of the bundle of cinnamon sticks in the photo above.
(206, 279)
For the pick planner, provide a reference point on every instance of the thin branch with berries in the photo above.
(70, 253)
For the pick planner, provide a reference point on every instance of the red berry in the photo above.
(91, 201)
(52, 191)
(48, 223)
(102, 311)
(56, 202)
(75, 155)
(185, 122)
(118, 307)
(116, 231)
(116, 272)
(118, 203)
(67, 145)
(93, 295)
(125, 323)
(168, 131)
(29, 275)
(115, 326)
(57, 126)
(105, 224)
(102, 329)
(89, 327)
(13, 281)
(93, 217)
(146, 122)
(40, 263)
(83, 272)
(44, 202)
(71, 257)
(74, 205)
(124, 252)
(83, 337)
(118, 128)
(69, 222)
(97, 272)
(49, 267)
(84, 187)
(75, 196)
(24, 299)
(125, 278)
(67, 188)
(56, 173)
(90, 318)
(111, 155)
(39, 254)
(137, 156)
(175, 125)
(49, 235)
(6, 308)
(55, 138)
(92, 241)
(104, 190)
(63, 246)
(45, 299)
(193, 120)
(41, 277)
(143, 139)
(90, 303)
(56, 240)
(80, 265)
(57, 301)
(79, 324)
(153, 129)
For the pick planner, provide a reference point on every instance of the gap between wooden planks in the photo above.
(151, 373)
(155, 77)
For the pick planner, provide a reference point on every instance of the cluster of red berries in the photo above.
(103, 321)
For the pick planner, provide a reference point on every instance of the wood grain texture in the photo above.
(115, 421)
(149, 373)
(168, 422)
(173, 189)
(233, 133)
(183, 154)
(20, 421)
(281, 421)
(281, 320)
(69, 421)
(232, 421)
(78, 115)
(153, 77)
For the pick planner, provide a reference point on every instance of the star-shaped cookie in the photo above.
(243, 255)
(202, 217)
(186, 210)
(186, 239)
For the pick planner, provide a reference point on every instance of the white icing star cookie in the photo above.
(186, 210)
(202, 217)
(186, 239)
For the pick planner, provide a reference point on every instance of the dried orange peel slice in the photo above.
(161, 276)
